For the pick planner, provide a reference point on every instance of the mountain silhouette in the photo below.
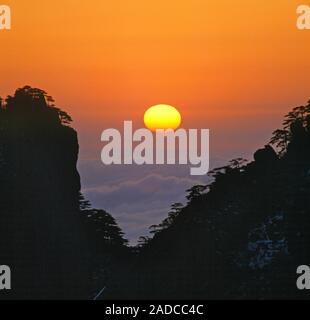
(240, 237)
(47, 229)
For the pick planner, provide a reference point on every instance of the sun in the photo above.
(162, 116)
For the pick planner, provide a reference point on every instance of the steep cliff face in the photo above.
(41, 233)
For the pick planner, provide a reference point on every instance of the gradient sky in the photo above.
(233, 66)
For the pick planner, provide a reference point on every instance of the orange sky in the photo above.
(110, 60)
(234, 66)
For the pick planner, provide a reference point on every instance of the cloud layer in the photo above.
(137, 196)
